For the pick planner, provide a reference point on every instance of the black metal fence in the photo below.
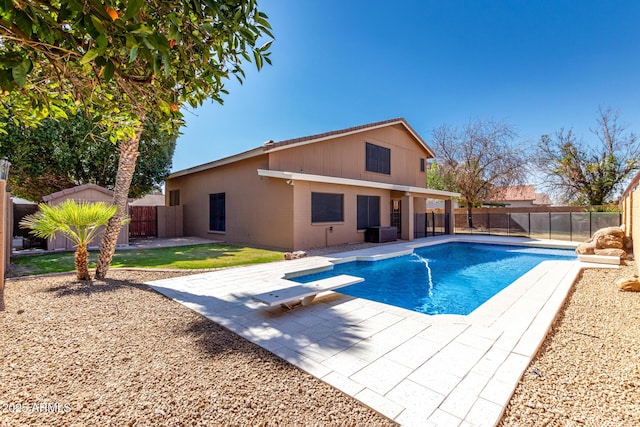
(572, 226)
(430, 224)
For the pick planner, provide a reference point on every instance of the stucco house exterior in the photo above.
(315, 191)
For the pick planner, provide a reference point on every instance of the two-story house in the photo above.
(315, 191)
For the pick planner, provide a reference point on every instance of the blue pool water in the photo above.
(450, 278)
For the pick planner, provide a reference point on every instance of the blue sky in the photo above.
(539, 65)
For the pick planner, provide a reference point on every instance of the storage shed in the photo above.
(88, 193)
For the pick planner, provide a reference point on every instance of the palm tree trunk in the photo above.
(126, 167)
(82, 263)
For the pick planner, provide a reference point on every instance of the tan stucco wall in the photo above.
(258, 210)
(317, 235)
(345, 157)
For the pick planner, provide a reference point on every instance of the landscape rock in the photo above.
(620, 253)
(586, 248)
(604, 239)
(631, 284)
(294, 255)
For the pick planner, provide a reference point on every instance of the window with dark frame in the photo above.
(378, 159)
(217, 212)
(368, 212)
(422, 165)
(327, 207)
(174, 197)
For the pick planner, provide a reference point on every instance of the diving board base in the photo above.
(305, 293)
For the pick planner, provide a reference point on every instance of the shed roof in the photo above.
(76, 189)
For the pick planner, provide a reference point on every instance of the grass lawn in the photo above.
(180, 257)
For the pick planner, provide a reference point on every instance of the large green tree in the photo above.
(589, 174)
(478, 158)
(64, 153)
(123, 62)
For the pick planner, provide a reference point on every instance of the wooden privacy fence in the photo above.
(144, 221)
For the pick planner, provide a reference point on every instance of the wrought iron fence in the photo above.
(572, 226)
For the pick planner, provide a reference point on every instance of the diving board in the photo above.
(305, 292)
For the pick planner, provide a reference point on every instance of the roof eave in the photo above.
(220, 162)
(351, 131)
(297, 176)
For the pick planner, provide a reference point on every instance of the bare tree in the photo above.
(589, 174)
(478, 158)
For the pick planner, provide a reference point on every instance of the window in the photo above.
(422, 165)
(378, 159)
(217, 212)
(368, 211)
(327, 207)
(174, 197)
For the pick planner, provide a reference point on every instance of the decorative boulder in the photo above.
(294, 255)
(620, 253)
(604, 242)
(586, 248)
(629, 284)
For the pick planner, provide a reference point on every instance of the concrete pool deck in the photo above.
(416, 369)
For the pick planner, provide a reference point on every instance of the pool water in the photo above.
(449, 278)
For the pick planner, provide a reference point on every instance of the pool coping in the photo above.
(417, 369)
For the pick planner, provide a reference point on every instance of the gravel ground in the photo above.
(117, 353)
(587, 371)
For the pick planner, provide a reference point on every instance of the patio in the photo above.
(411, 367)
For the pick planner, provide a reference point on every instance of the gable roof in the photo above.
(270, 146)
(289, 143)
(77, 189)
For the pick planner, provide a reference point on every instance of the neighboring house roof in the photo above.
(270, 146)
(513, 193)
(149, 200)
(520, 193)
(77, 189)
(20, 201)
(542, 200)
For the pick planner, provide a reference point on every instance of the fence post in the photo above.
(433, 224)
(3, 239)
(571, 226)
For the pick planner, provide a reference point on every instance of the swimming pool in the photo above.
(449, 278)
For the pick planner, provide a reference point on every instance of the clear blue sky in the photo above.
(539, 65)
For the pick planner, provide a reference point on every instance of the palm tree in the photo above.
(77, 221)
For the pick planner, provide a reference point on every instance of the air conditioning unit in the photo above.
(381, 234)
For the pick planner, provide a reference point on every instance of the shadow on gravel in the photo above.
(88, 287)
(287, 333)
(214, 339)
